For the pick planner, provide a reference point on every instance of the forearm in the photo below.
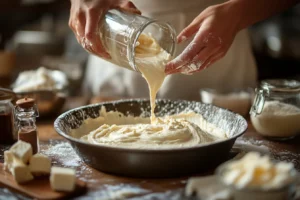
(253, 11)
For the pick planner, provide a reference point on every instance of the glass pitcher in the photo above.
(119, 32)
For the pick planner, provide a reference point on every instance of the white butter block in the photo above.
(20, 171)
(39, 165)
(62, 179)
(22, 150)
(8, 159)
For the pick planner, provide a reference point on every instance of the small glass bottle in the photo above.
(275, 112)
(26, 112)
(119, 32)
(7, 133)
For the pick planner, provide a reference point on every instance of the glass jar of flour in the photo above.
(275, 112)
(126, 36)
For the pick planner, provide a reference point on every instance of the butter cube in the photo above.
(8, 159)
(22, 150)
(16, 166)
(39, 165)
(62, 179)
(20, 171)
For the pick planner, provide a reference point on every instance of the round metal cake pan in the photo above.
(153, 162)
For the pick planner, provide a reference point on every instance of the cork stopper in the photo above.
(25, 103)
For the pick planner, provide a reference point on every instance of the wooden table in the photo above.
(103, 185)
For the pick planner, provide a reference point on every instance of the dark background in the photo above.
(37, 32)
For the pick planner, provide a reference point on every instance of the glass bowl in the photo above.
(284, 192)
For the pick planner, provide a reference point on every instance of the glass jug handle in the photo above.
(36, 111)
(259, 102)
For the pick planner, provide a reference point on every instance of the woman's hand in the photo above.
(84, 19)
(215, 29)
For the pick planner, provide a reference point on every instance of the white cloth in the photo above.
(236, 70)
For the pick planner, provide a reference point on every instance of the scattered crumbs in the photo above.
(183, 181)
(245, 144)
(170, 195)
(63, 154)
(288, 156)
(116, 192)
(144, 181)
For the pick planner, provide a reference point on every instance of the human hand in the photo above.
(84, 19)
(215, 29)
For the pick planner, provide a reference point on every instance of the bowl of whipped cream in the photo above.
(125, 138)
(47, 87)
(256, 176)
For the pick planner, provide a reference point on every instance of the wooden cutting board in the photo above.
(38, 188)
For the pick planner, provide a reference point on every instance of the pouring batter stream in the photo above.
(151, 60)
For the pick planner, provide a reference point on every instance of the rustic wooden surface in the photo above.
(105, 186)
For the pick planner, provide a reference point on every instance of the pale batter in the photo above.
(116, 129)
(136, 132)
(175, 133)
(151, 60)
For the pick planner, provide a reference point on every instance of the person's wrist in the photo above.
(231, 11)
(238, 8)
(114, 3)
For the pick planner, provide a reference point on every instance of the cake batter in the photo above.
(176, 131)
(151, 60)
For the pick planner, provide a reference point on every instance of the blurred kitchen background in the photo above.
(35, 33)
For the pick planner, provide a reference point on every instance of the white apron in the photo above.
(236, 70)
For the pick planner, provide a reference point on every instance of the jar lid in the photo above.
(6, 94)
(281, 85)
(26, 103)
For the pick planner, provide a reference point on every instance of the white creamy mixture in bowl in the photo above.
(42, 79)
(47, 87)
(257, 177)
(176, 156)
(175, 131)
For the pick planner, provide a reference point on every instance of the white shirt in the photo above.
(236, 70)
